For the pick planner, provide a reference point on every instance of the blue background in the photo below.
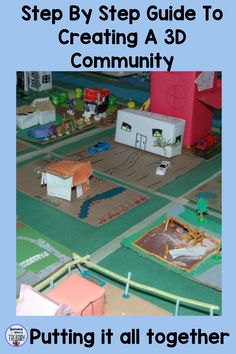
(34, 46)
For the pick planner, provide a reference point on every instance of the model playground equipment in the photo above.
(178, 244)
(96, 102)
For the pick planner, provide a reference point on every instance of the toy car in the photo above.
(99, 147)
(162, 168)
(207, 142)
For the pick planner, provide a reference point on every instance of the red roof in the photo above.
(95, 94)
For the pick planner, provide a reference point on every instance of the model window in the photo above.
(178, 139)
(126, 127)
(156, 133)
(46, 79)
(33, 76)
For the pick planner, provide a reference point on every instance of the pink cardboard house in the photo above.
(189, 95)
(84, 297)
(75, 296)
(33, 303)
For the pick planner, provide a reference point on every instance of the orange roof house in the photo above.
(61, 176)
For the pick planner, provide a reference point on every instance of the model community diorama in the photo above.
(118, 193)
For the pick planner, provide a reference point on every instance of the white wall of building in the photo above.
(142, 129)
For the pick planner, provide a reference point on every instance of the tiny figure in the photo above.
(59, 130)
(80, 123)
(65, 127)
(71, 103)
(72, 124)
(90, 110)
(88, 121)
(96, 102)
(52, 131)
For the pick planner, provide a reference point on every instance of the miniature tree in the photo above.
(163, 143)
(78, 93)
(112, 101)
(62, 97)
(202, 207)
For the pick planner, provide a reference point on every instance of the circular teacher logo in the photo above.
(16, 335)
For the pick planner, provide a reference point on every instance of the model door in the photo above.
(141, 141)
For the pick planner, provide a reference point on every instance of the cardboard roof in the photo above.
(212, 98)
(40, 105)
(45, 106)
(80, 171)
(95, 94)
(25, 110)
(77, 292)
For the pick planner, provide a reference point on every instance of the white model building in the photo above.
(148, 131)
(61, 176)
(45, 109)
(34, 80)
(41, 111)
(26, 117)
(40, 80)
